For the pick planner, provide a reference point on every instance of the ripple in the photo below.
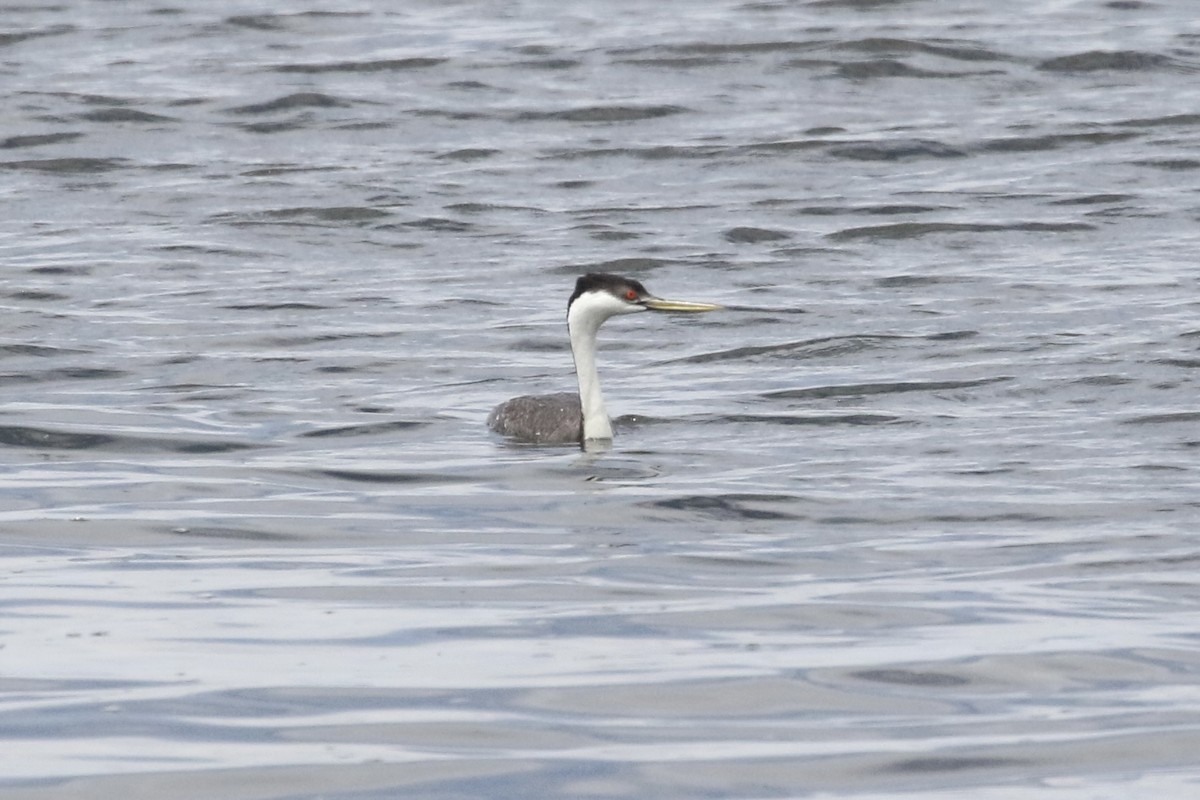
(726, 48)
(7, 39)
(910, 677)
(889, 68)
(1020, 144)
(1171, 164)
(747, 235)
(364, 476)
(37, 350)
(235, 534)
(316, 216)
(807, 348)
(62, 374)
(859, 389)
(291, 102)
(913, 230)
(895, 150)
(42, 439)
(382, 65)
(1112, 60)
(124, 115)
(440, 224)
(902, 281)
(258, 22)
(1094, 199)
(293, 305)
(948, 48)
(55, 439)
(729, 506)
(1169, 120)
(369, 429)
(38, 140)
(68, 166)
(819, 420)
(954, 764)
(615, 113)
(36, 295)
(1168, 418)
(469, 154)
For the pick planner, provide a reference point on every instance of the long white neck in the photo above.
(582, 323)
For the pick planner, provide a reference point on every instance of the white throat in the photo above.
(586, 315)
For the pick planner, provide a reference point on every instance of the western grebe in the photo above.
(579, 418)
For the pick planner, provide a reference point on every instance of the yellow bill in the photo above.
(658, 304)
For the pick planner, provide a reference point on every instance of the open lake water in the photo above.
(915, 517)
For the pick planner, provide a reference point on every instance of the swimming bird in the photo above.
(567, 418)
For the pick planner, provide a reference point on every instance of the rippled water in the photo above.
(913, 517)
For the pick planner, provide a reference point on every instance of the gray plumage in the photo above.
(540, 419)
(581, 418)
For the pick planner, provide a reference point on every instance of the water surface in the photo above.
(913, 517)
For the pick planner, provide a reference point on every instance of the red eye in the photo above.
(631, 295)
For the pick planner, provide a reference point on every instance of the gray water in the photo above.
(914, 517)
